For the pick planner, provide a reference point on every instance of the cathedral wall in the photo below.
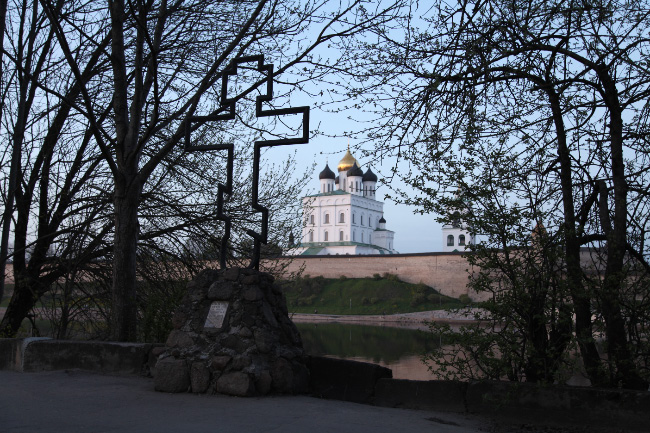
(446, 272)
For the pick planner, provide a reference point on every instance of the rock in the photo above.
(263, 384)
(178, 320)
(256, 350)
(179, 339)
(245, 332)
(172, 375)
(251, 279)
(282, 375)
(221, 291)
(252, 293)
(263, 340)
(231, 274)
(220, 362)
(268, 315)
(237, 383)
(157, 351)
(199, 377)
(241, 362)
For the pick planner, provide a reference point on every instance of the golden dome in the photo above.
(347, 161)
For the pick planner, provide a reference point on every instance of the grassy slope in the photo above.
(366, 295)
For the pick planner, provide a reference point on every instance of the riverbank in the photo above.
(403, 320)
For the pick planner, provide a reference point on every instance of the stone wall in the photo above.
(446, 272)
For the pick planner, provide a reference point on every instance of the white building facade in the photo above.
(345, 217)
(456, 235)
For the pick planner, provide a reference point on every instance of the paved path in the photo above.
(71, 402)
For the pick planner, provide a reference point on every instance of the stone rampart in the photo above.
(446, 272)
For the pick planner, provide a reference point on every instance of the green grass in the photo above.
(378, 295)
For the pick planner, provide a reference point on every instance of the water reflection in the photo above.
(396, 348)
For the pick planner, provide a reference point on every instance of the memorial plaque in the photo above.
(216, 314)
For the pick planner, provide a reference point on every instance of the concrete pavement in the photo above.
(76, 401)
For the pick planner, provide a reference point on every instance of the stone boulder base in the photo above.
(256, 350)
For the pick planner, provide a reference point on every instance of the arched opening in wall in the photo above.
(341, 235)
(450, 240)
(354, 235)
(327, 218)
(370, 239)
(353, 219)
(361, 236)
(361, 219)
(461, 240)
(311, 219)
(326, 236)
(341, 217)
(311, 236)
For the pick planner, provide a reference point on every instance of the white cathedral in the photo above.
(345, 217)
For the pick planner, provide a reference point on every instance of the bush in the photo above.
(418, 299)
(391, 277)
(464, 298)
(376, 277)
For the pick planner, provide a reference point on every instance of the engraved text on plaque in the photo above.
(216, 314)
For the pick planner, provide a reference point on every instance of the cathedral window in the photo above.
(311, 219)
(311, 236)
(450, 240)
(361, 219)
(353, 219)
(327, 218)
(326, 236)
(341, 217)
(461, 240)
(354, 236)
(361, 236)
(341, 235)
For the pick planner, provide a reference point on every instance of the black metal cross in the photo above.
(227, 112)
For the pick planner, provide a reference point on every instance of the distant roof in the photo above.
(369, 176)
(355, 171)
(347, 161)
(326, 173)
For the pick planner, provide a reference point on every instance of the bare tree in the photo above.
(133, 73)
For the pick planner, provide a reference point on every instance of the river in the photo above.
(399, 349)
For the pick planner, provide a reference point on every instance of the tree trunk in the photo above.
(618, 350)
(124, 309)
(580, 296)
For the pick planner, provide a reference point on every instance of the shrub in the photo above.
(464, 298)
(418, 299)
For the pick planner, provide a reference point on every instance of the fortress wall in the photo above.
(9, 273)
(446, 272)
